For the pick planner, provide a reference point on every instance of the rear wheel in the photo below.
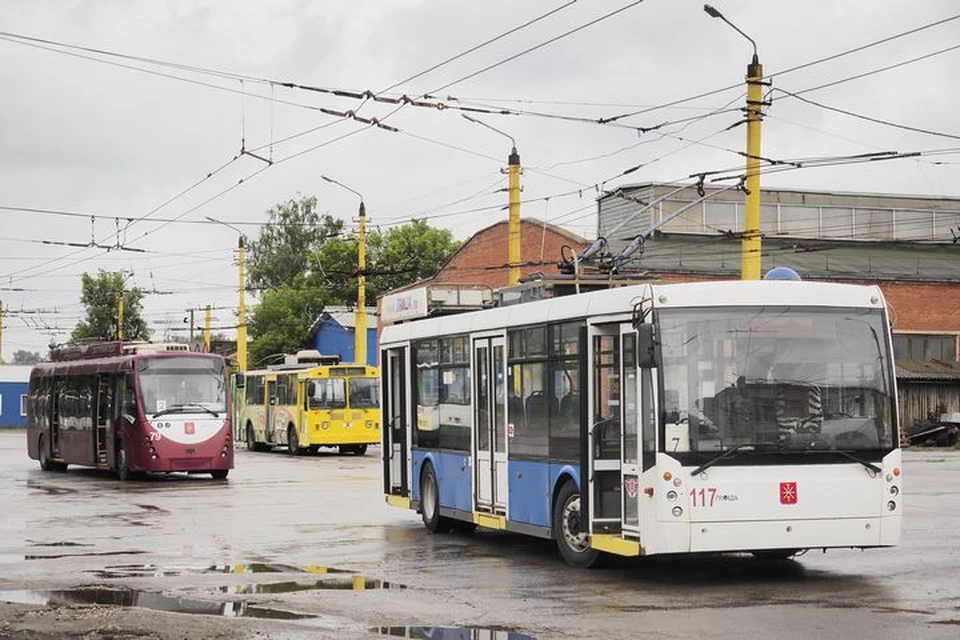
(293, 441)
(570, 528)
(220, 474)
(430, 502)
(251, 439)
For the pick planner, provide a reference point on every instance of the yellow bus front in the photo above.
(342, 407)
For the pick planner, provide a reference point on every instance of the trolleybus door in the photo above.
(271, 409)
(490, 418)
(631, 404)
(396, 402)
(605, 414)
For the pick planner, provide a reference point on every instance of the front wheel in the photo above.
(123, 464)
(430, 502)
(570, 528)
(220, 474)
(45, 462)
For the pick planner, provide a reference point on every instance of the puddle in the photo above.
(453, 633)
(80, 555)
(52, 491)
(146, 600)
(157, 571)
(356, 583)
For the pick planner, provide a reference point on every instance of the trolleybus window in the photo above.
(364, 393)
(749, 378)
(327, 393)
(171, 384)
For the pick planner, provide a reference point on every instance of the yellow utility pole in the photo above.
(242, 310)
(360, 322)
(120, 316)
(751, 242)
(360, 328)
(513, 224)
(513, 189)
(206, 329)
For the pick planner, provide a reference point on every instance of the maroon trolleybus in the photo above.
(131, 407)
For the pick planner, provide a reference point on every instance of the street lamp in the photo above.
(360, 324)
(750, 244)
(513, 225)
(242, 310)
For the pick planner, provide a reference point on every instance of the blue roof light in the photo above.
(782, 273)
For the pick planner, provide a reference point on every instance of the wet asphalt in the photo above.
(309, 543)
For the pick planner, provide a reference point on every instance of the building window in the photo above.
(919, 346)
(23, 405)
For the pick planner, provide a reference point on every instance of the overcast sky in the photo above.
(132, 142)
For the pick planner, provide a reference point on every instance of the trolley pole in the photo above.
(751, 242)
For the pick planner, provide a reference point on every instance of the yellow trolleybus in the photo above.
(311, 401)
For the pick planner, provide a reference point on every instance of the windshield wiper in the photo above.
(726, 454)
(846, 454)
(178, 408)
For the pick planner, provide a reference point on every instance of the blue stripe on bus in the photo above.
(531, 484)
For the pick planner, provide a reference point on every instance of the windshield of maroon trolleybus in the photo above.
(181, 383)
(781, 379)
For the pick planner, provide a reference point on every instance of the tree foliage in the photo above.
(395, 258)
(280, 256)
(100, 296)
(302, 263)
(281, 323)
(26, 357)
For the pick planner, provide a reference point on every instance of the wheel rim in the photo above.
(429, 497)
(573, 535)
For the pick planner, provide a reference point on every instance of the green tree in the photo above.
(100, 296)
(26, 357)
(396, 258)
(281, 322)
(280, 256)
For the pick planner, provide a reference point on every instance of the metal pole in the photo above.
(206, 330)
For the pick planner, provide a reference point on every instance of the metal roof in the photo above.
(928, 371)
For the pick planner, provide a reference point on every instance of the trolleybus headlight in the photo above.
(894, 490)
(891, 506)
(889, 477)
(671, 495)
(324, 425)
(369, 424)
(677, 482)
(677, 511)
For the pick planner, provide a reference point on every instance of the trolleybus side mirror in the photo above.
(646, 347)
(240, 379)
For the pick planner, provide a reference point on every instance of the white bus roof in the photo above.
(620, 302)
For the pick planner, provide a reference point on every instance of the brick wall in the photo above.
(484, 258)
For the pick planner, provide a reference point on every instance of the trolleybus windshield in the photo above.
(182, 384)
(775, 379)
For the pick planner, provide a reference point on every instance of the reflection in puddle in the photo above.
(156, 571)
(356, 583)
(146, 600)
(453, 633)
(80, 555)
